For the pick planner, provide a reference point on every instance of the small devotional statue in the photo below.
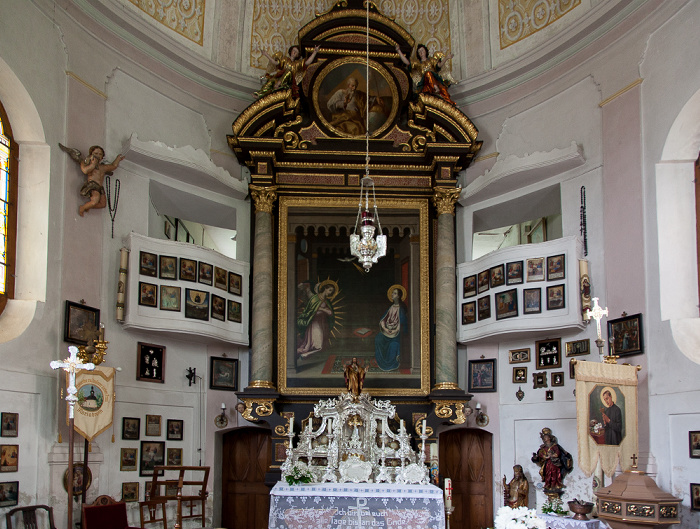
(516, 492)
(354, 377)
(288, 71)
(425, 72)
(555, 462)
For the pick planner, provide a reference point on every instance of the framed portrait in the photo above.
(469, 286)
(196, 304)
(174, 457)
(167, 267)
(128, 459)
(9, 458)
(484, 305)
(130, 490)
(555, 297)
(519, 356)
(148, 294)
(549, 394)
(548, 353)
(313, 341)
(9, 424)
(468, 312)
(695, 496)
(578, 347)
(147, 264)
(153, 425)
(607, 412)
(557, 378)
(218, 308)
(506, 304)
(483, 281)
(235, 284)
(223, 373)
(175, 429)
(535, 269)
(82, 479)
(625, 335)
(694, 444)
(206, 273)
(150, 362)
(532, 300)
(170, 298)
(220, 278)
(539, 380)
(497, 276)
(235, 311)
(152, 455)
(9, 493)
(131, 428)
(81, 323)
(519, 375)
(514, 273)
(555, 267)
(482, 375)
(188, 270)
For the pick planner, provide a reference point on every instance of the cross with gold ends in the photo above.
(355, 421)
(597, 313)
(71, 365)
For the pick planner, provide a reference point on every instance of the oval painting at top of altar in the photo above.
(340, 97)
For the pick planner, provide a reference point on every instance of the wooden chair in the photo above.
(179, 478)
(149, 512)
(29, 516)
(105, 513)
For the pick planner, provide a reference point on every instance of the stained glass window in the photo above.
(4, 204)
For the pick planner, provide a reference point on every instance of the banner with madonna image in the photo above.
(606, 415)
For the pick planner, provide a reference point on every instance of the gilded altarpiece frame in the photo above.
(329, 308)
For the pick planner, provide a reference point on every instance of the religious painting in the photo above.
(150, 363)
(235, 311)
(153, 425)
(578, 347)
(131, 428)
(482, 375)
(127, 459)
(497, 276)
(341, 100)
(468, 312)
(548, 353)
(152, 455)
(514, 273)
(557, 379)
(9, 424)
(9, 458)
(469, 286)
(175, 430)
(555, 297)
(9, 493)
(695, 496)
(168, 267)
(82, 323)
(218, 307)
(535, 269)
(694, 444)
(483, 281)
(625, 336)
(82, 479)
(206, 273)
(174, 457)
(235, 284)
(130, 490)
(549, 394)
(196, 304)
(506, 304)
(331, 310)
(223, 373)
(188, 270)
(539, 380)
(606, 415)
(519, 375)
(519, 356)
(170, 298)
(556, 267)
(220, 278)
(147, 264)
(148, 294)
(171, 487)
(484, 307)
(532, 300)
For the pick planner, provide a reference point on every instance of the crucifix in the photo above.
(597, 313)
(71, 365)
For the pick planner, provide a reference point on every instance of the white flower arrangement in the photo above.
(518, 518)
(300, 473)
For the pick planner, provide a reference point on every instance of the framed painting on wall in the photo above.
(81, 323)
(482, 375)
(548, 353)
(626, 336)
(151, 362)
(223, 373)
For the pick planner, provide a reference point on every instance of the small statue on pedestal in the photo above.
(555, 463)
(354, 377)
(515, 493)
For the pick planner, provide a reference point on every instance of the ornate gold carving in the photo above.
(519, 20)
(265, 407)
(261, 384)
(611, 507)
(445, 198)
(460, 413)
(184, 18)
(668, 511)
(283, 126)
(445, 385)
(280, 430)
(443, 408)
(641, 510)
(248, 409)
(263, 198)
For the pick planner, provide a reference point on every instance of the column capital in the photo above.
(263, 197)
(445, 199)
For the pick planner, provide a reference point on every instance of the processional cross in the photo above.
(71, 365)
(597, 313)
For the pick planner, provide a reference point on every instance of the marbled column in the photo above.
(263, 281)
(444, 199)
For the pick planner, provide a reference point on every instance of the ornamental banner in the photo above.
(95, 407)
(606, 415)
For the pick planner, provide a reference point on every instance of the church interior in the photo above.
(416, 242)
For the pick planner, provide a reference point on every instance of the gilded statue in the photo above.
(288, 71)
(354, 377)
(555, 462)
(516, 492)
(425, 72)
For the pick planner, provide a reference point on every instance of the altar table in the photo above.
(567, 522)
(349, 505)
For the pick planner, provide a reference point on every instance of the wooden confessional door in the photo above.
(245, 499)
(466, 458)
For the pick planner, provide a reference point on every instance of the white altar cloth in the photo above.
(356, 506)
(567, 522)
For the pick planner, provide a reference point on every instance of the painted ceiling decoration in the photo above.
(184, 17)
(518, 19)
(275, 23)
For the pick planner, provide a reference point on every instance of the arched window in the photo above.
(8, 209)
